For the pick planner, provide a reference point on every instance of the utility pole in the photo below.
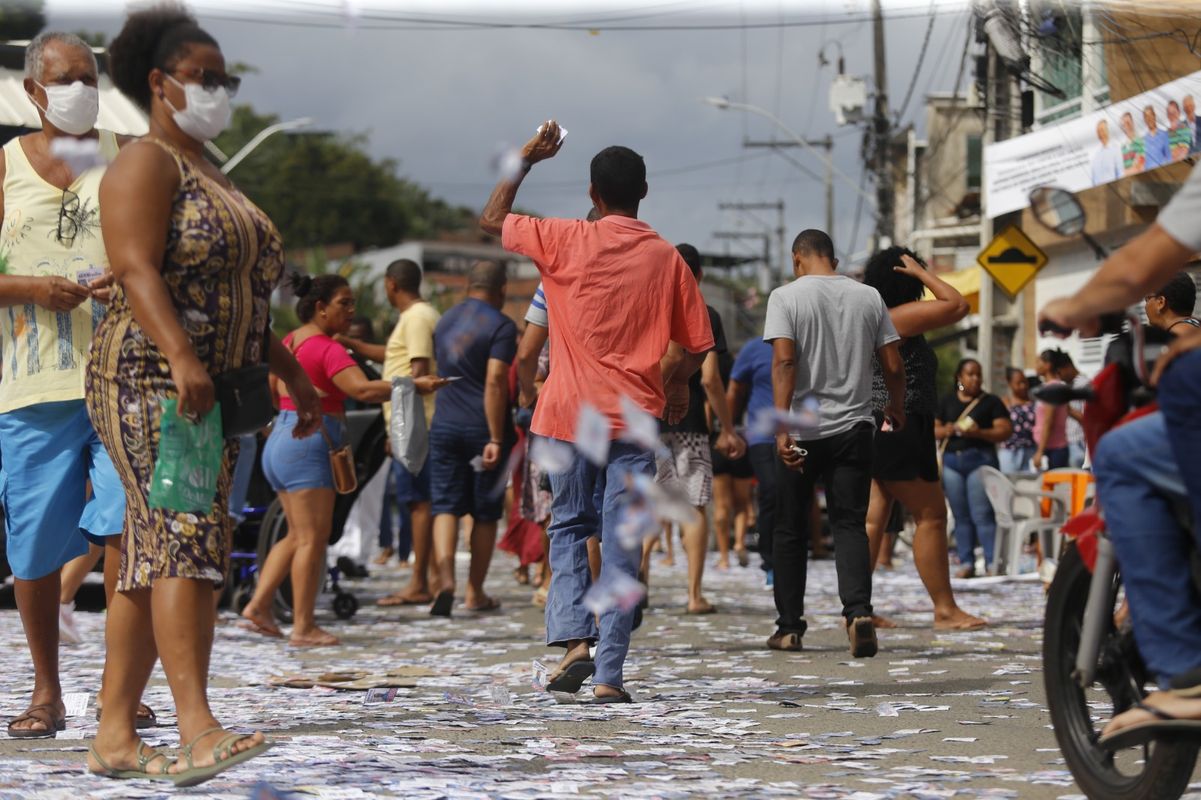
(828, 144)
(778, 207)
(999, 318)
(881, 128)
(765, 282)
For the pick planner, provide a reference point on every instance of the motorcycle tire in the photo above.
(273, 528)
(1165, 768)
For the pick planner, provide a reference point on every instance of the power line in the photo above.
(921, 57)
(371, 22)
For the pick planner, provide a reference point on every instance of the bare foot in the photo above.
(406, 598)
(384, 556)
(668, 561)
(258, 622)
(724, 564)
(202, 749)
(1168, 703)
(701, 606)
(314, 638)
(882, 622)
(602, 690)
(958, 620)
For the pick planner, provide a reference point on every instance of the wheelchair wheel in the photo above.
(345, 605)
(274, 527)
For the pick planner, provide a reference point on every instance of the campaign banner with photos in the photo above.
(1142, 133)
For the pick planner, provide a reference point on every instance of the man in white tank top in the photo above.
(54, 283)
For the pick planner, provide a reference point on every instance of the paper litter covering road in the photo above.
(936, 715)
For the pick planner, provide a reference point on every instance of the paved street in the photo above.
(718, 715)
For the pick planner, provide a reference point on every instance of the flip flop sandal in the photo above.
(40, 713)
(1165, 726)
(608, 700)
(146, 718)
(223, 756)
(492, 605)
(443, 604)
(251, 626)
(398, 600)
(569, 679)
(146, 755)
(707, 608)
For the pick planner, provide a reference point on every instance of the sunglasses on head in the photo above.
(211, 80)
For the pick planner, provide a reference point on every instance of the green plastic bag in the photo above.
(189, 461)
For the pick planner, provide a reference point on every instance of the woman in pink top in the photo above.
(1050, 422)
(298, 469)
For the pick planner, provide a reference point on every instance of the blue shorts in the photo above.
(49, 452)
(411, 488)
(291, 464)
(456, 487)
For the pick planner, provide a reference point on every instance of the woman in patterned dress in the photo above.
(195, 263)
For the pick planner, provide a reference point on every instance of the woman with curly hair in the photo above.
(905, 463)
(195, 263)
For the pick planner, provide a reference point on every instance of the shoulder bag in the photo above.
(942, 446)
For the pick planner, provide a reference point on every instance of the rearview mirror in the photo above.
(1058, 209)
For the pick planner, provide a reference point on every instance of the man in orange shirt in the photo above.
(617, 294)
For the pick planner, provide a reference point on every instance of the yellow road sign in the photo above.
(1012, 260)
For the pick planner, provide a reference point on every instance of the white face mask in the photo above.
(206, 114)
(72, 109)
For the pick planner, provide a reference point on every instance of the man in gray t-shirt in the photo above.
(824, 329)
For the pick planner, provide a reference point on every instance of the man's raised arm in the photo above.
(544, 145)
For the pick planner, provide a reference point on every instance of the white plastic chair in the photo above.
(1013, 530)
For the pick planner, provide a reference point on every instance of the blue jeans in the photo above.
(974, 521)
(574, 518)
(1077, 454)
(248, 450)
(1016, 460)
(1138, 487)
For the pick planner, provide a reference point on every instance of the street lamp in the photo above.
(725, 103)
(262, 136)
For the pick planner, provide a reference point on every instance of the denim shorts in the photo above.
(50, 451)
(456, 487)
(411, 488)
(291, 464)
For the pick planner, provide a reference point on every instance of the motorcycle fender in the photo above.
(1083, 529)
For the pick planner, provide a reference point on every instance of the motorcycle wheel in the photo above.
(273, 528)
(1157, 771)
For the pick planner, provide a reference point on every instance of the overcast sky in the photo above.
(444, 98)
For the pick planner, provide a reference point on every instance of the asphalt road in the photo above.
(935, 715)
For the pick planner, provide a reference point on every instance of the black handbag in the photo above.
(245, 398)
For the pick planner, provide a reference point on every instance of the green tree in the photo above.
(357, 273)
(323, 189)
(21, 19)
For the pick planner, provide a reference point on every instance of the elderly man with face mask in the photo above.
(54, 284)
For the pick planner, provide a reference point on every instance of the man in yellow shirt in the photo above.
(409, 353)
(54, 280)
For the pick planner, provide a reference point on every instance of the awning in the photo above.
(964, 281)
(117, 112)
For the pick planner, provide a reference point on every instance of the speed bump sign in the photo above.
(1012, 260)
